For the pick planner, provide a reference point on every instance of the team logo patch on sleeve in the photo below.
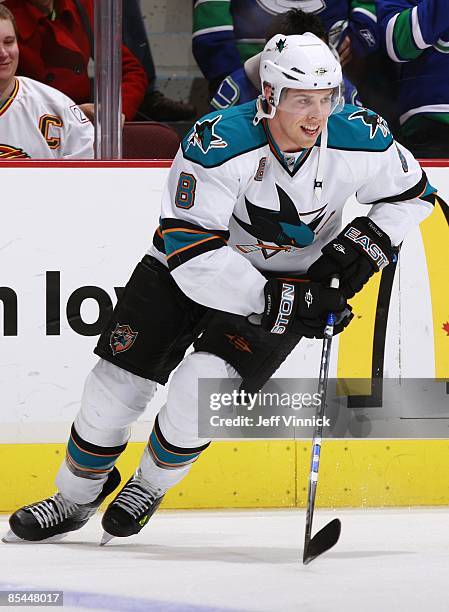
(122, 339)
(371, 120)
(204, 136)
(78, 114)
(8, 152)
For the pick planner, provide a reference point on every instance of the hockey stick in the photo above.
(329, 534)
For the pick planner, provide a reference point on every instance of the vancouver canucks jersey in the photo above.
(235, 207)
(38, 121)
(416, 34)
(227, 32)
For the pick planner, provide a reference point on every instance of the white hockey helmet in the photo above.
(300, 61)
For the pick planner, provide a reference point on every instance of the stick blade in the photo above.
(322, 541)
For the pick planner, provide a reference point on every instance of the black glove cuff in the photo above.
(361, 236)
(280, 305)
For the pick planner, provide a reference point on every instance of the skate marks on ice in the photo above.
(138, 547)
(268, 555)
(235, 554)
(249, 560)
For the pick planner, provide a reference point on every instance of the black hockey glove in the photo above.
(361, 249)
(302, 307)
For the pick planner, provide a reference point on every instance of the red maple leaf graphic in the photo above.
(446, 327)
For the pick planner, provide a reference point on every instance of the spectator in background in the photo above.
(243, 84)
(416, 35)
(35, 119)
(226, 34)
(55, 48)
(155, 105)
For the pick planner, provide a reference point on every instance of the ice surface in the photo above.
(387, 559)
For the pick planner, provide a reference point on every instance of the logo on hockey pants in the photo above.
(122, 339)
(240, 343)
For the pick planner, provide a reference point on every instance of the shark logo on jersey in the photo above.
(8, 152)
(204, 136)
(373, 121)
(282, 227)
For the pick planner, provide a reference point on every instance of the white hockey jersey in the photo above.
(235, 206)
(38, 121)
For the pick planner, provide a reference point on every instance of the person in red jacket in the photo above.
(55, 48)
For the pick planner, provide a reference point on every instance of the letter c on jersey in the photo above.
(45, 122)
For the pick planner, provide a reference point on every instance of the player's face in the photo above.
(300, 117)
(9, 54)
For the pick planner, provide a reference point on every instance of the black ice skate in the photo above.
(51, 519)
(131, 509)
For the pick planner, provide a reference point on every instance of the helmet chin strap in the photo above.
(261, 113)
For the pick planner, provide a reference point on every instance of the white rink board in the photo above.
(93, 225)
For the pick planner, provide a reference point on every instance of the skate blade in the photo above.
(11, 538)
(107, 537)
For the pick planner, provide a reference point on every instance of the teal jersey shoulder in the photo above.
(219, 136)
(358, 129)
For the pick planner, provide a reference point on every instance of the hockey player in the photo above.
(36, 121)
(252, 207)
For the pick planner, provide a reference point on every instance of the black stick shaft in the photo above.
(318, 431)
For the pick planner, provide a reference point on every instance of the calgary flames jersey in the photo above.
(37, 121)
